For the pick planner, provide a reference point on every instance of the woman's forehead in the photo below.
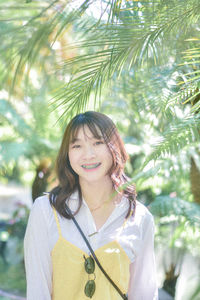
(85, 131)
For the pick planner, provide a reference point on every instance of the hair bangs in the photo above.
(94, 128)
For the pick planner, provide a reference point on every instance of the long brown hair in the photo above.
(68, 179)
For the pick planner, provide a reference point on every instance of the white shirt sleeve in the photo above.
(37, 255)
(143, 285)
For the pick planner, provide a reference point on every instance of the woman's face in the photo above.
(90, 157)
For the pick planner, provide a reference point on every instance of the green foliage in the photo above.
(186, 132)
(127, 34)
(12, 273)
(21, 133)
(196, 294)
(27, 136)
(9, 113)
(12, 278)
(119, 52)
(167, 206)
(18, 222)
(138, 62)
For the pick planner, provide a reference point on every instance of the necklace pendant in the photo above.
(91, 234)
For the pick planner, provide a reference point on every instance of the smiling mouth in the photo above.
(91, 166)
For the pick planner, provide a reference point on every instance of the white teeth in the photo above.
(90, 166)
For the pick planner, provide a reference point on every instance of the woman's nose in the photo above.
(89, 152)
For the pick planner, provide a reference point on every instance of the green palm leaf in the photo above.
(124, 40)
(186, 132)
(167, 206)
(8, 112)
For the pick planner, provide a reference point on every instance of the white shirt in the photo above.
(136, 238)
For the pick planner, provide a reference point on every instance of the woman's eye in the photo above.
(76, 146)
(99, 142)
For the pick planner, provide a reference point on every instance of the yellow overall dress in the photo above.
(70, 277)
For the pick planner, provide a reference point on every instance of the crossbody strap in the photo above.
(94, 256)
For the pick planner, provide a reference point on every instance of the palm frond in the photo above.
(130, 41)
(124, 45)
(28, 39)
(8, 112)
(166, 206)
(176, 138)
(12, 150)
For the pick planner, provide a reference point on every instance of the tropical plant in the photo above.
(140, 58)
(27, 136)
(127, 35)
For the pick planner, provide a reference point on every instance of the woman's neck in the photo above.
(96, 193)
(101, 199)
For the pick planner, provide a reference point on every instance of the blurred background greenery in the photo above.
(138, 62)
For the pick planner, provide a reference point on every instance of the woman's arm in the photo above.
(143, 285)
(37, 255)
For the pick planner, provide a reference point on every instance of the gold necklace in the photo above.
(104, 202)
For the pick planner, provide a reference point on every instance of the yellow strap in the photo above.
(57, 222)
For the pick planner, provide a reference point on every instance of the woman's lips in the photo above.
(90, 167)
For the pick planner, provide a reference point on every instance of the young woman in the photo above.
(94, 188)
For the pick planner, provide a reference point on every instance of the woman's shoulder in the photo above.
(42, 205)
(42, 200)
(142, 209)
(142, 213)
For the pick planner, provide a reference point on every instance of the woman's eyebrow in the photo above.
(75, 140)
(99, 137)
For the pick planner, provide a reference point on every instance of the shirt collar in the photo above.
(121, 207)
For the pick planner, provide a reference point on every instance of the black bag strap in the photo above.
(94, 255)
